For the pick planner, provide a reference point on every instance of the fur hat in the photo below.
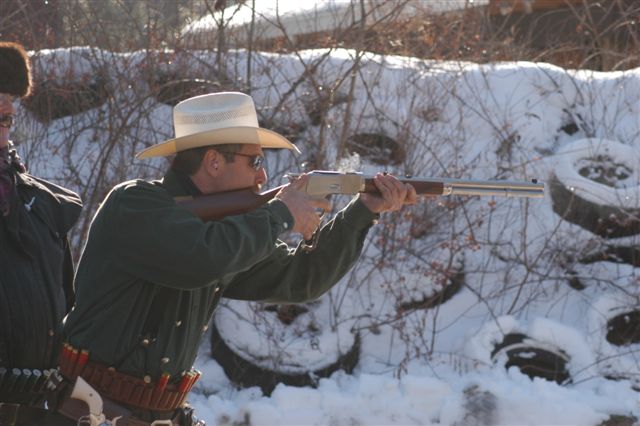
(15, 73)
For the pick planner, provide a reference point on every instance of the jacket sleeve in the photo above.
(66, 205)
(295, 276)
(160, 242)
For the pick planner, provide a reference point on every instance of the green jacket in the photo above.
(152, 273)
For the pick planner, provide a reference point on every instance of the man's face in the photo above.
(241, 173)
(6, 108)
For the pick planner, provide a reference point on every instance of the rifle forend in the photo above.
(321, 183)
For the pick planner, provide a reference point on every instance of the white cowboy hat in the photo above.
(216, 119)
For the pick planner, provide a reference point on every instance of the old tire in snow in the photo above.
(533, 357)
(437, 296)
(624, 329)
(263, 345)
(596, 185)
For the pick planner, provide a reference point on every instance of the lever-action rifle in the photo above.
(322, 183)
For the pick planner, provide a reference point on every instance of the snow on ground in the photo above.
(521, 269)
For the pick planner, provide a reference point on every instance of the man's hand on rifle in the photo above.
(303, 207)
(393, 194)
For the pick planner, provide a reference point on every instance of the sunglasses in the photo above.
(6, 121)
(256, 161)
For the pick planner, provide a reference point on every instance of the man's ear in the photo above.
(211, 162)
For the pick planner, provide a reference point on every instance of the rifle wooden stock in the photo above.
(222, 204)
(322, 183)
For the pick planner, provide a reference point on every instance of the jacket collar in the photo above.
(179, 184)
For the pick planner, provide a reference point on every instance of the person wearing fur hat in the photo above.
(152, 272)
(36, 269)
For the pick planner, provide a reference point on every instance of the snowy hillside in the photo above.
(447, 293)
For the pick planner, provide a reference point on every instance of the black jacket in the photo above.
(36, 272)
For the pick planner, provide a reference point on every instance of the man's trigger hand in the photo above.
(303, 207)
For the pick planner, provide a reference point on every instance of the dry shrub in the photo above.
(54, 99)
(574, 34)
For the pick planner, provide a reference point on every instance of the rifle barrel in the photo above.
(499, 188)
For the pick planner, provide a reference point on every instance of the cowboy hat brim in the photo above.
(230, 135)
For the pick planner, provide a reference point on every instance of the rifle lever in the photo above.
(310, 245)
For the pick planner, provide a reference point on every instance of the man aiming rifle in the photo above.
(152, 272)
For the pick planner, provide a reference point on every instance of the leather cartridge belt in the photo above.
(21, 414)
(143, 393)
(27, 385)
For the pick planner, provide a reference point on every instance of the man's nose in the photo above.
(261, 176)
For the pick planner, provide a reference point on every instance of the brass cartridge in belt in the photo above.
(72, 354)
(162, 382)
(173, 402)
(136, 395)
(21, 383)
(159, 389)
(126, 390)
(68, 359)
(117, 387)
(40, 381)
(147, 389)
(36, 381)
(180, 398)
(93, 375)
(12, 378)
(107, 378)
(46, 374)
(145, 400)
(184, 382)
(54, 379)
(156, 396)
(81, 361)
(167, 397)
(196, 376)
(65, 356)
(192, 379)
(73, 360)
(183, 387)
